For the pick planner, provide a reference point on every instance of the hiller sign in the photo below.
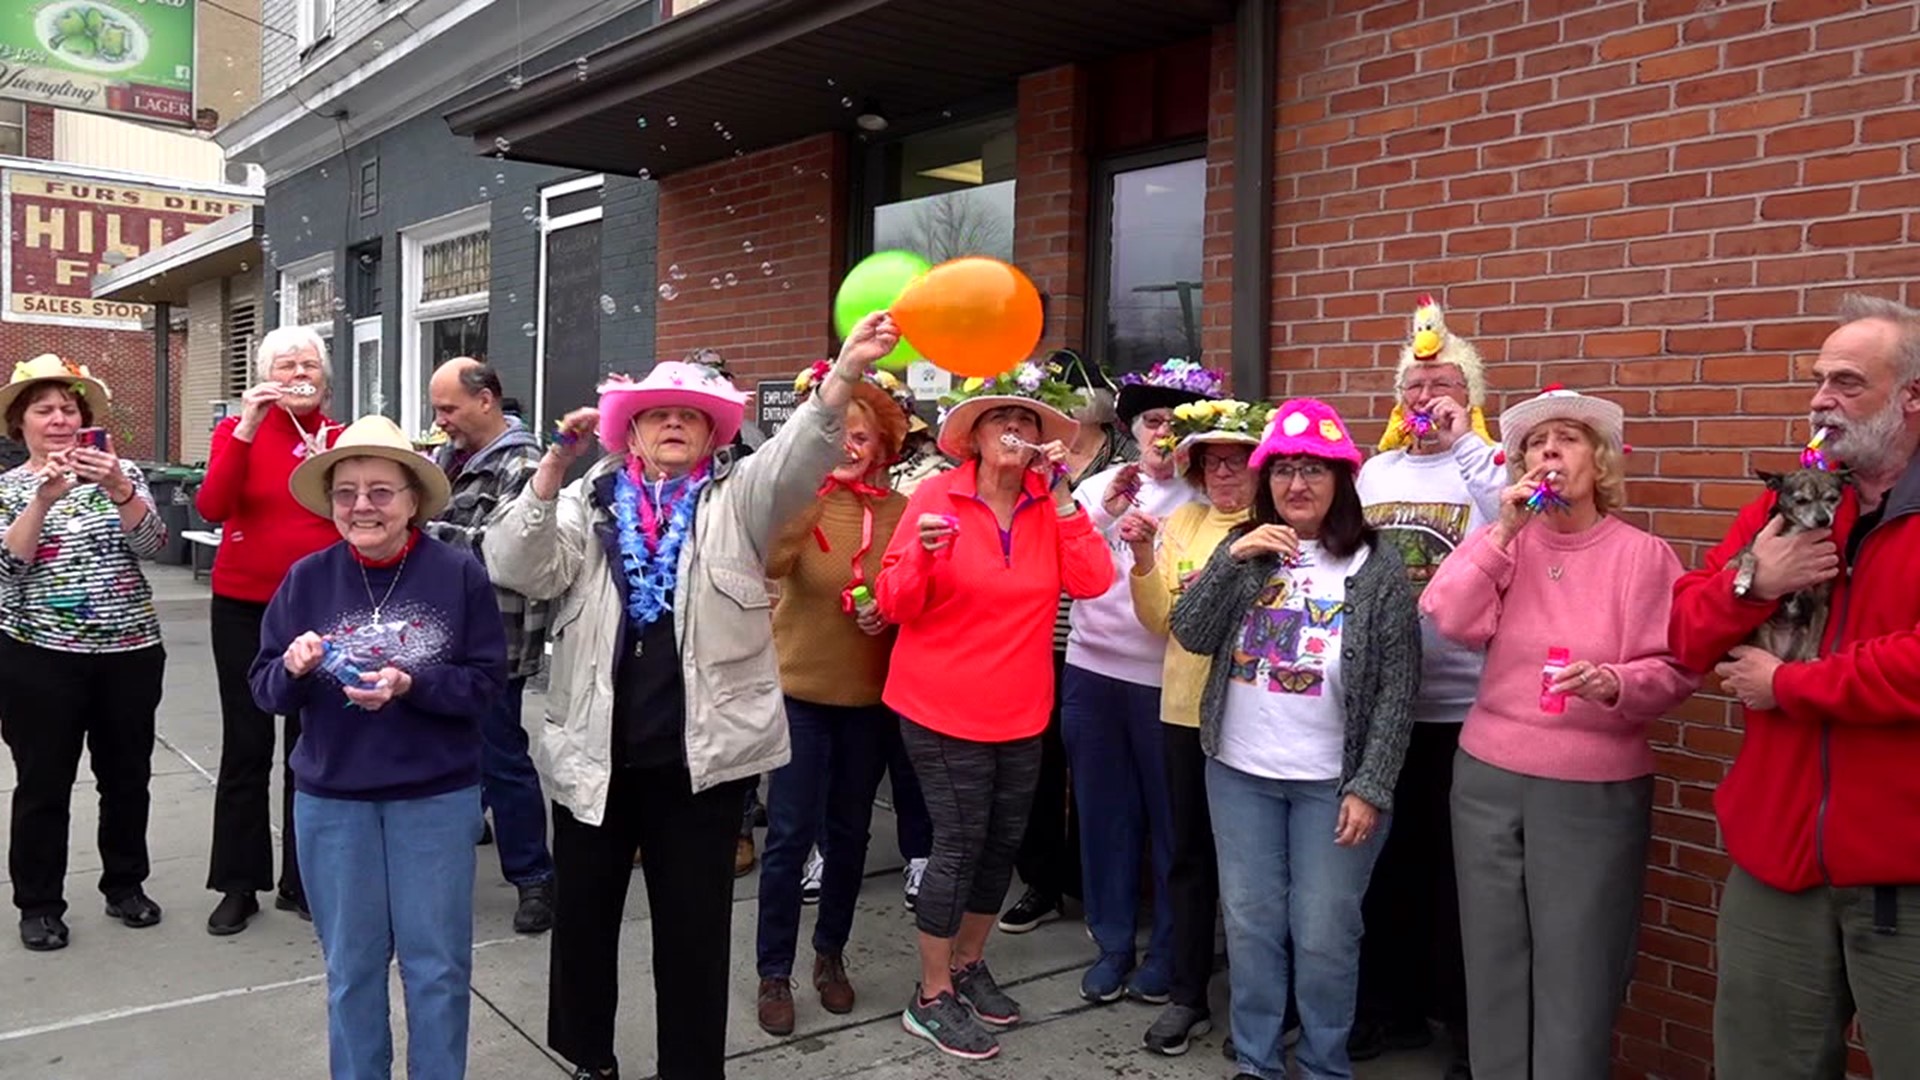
(62, 227)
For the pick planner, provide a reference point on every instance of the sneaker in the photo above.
(1106, 981)
(135, 909)
(743, 857)
(1174, 1028)
(949, 1025)
(1033, 908)
(535, 913)
(1151, 983)
(974, 984)
(584, 1073)
(910, 875)
(810, 876)
(775, 1006)
(43, 933)
(231, 914)
(830, 979)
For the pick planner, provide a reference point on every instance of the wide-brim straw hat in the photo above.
(48, 369)
(371, 436)
(956, 428)
(1602, 417)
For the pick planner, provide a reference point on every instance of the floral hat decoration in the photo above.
(1167, 384)
(1031, 385)
(48, 368)
(878, 390)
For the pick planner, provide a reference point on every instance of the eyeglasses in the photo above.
(1227, 463)
(1311, 471)
(346, 498)
(1437, 386)
(1155, 420)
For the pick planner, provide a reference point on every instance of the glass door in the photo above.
(369, 378)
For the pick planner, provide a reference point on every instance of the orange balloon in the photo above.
(975, 316)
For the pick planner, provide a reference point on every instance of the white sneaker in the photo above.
(911, 875)
(810, 877)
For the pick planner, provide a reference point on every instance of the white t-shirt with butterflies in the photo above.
(1285, 715)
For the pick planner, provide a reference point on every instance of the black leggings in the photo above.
(978, 797)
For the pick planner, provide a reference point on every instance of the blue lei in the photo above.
(653, 566)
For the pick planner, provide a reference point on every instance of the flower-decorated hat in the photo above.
(1306, 426)
(671, 382)
(1029, 385)
(1604, 418)
(48, 368)
(371, 436)
(1430, 343)
(1224, 421)
(1165, 385)
(888, 401)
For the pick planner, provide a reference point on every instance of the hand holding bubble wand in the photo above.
(1009, 439)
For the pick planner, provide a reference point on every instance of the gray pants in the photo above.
(1551, 874)
(1794, 968)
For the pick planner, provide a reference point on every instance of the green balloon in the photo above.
(873, 285)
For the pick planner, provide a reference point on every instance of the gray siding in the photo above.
(280, 56)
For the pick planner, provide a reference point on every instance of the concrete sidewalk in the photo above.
(173, 1003)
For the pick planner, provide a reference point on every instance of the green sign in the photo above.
(127, 58)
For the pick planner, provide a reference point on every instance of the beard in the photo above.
(1873, 445)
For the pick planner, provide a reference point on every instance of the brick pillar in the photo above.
(1216, 317)
(39, 133)
(1050, 199)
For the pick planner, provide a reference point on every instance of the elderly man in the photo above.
(489, 456)
(1437, 480)
(1821, 810)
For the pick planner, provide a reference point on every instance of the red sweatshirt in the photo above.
(1825, 788)
(265, 531)
(974, 658)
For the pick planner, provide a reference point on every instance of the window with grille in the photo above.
(313, 300)
(243, 334)
(458, 266)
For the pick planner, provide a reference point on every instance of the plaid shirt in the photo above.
(490, 479)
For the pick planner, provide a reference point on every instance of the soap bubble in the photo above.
(379, 46)
(642, 122)
(819, 219)
(766, 269)
(515, 81)
(830, 81)
(527, 329)
(676, 273)
(483, 191)
(846, 103)
(715, 283)
(727, 135)
(502, 143)
(645, 174)
(339, 304)
(718, 126)
(526, 213)
(786, 285)
(667, 292)
(673, 121)
(500, 178)
(513, 298)
(323, 173)
(305, 220)
(607, 304)
(579, 69)
(244, 267)
(366, 258)
(730, 209)
(746, 246)
(732, 279)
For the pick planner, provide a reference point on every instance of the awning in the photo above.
(735, 76)
(226, 248)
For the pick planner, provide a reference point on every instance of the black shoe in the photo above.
(1033, 908)
(486, 832)
(584, 1073)
(535, 913)
(135, 909)
(43, 933)
(232, 913)
(296, 904)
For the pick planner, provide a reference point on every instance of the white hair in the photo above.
(286, 340)
(1859, 307)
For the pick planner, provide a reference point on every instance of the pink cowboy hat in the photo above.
(1310, 427)
(671, 382)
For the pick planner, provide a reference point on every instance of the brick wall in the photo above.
(1660, 200)
(1050, 199)
(789, 204)
(123, 360)
(39, 132)
(1216, 319)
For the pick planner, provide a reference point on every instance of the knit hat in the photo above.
(1306, 426)
(671, 382)
(1430, 343)
(1037, 387)
(371, 436)
(1167, 384)
(1604, 418)
(48, 368)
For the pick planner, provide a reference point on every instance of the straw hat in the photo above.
(1602, 417)
(1037, 388)
(371, 436)
(48, 368)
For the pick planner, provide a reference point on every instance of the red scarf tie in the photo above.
(865, 493)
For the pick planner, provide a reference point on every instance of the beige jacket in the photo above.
(736, 722)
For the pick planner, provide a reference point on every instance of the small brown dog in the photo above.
(1806, 499)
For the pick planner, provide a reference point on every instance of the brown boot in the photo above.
(743, 857)
(830, 978)
(776, 1006)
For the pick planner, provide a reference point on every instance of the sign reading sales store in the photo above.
(61, 227)
(127, 58)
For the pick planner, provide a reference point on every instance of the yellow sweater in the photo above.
(1188, 537)
(824, 657)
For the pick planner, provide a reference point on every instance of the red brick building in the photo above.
(1658, 200)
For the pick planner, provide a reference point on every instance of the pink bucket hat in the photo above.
(1306, 426)
(671, 382)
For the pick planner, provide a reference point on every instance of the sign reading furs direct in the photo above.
(127, 58)
(61, 228)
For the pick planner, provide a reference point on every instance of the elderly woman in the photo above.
(833, 648)
(973, 585)
(282, 422)
(390, 645)
(1110, 701)
(1214, 442)
(1553, 784)
(1315, 647)
(80, 655)
(664, 702)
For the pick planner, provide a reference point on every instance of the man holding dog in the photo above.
(1821, 810)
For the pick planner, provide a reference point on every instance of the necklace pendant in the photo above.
(1554, 572)
(639, 647)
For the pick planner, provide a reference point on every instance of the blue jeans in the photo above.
(839, 753)
(510, 787)
(387, 879)
(1116, 750)
(1281, 874)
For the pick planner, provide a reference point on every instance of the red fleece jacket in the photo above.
(974, 658)
(264, 531)
(1825, 788)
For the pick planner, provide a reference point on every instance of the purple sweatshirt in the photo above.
(440, 625)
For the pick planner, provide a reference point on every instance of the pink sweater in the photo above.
(1604, 594)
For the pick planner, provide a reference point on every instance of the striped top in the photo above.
(84, 591)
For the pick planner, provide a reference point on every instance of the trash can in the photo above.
(170, 498)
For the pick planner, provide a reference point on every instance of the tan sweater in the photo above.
(1187, 537)
(824, 657)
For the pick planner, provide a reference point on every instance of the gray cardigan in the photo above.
(1379, 657)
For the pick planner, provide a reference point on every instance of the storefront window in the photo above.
(447, 275)
(949, 192)
(1150, 262)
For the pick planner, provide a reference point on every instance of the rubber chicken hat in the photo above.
(1431, 342)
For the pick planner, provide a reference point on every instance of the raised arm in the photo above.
(1463, 598)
